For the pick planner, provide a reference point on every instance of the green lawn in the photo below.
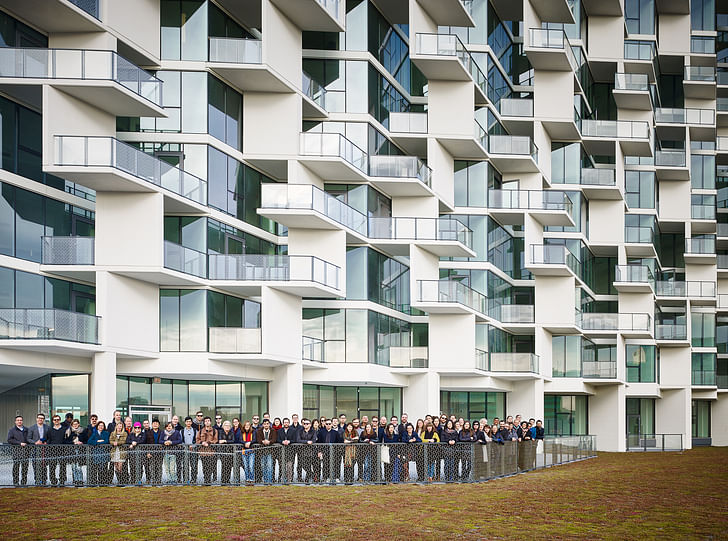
(615, 496)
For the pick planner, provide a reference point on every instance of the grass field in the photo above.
(614, 496)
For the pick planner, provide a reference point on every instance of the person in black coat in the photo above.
(58, 435)
(307, 436)
(288, 437)
(330, 436)
(18, 435)
(135, 456)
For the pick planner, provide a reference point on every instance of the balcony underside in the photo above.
(106, 95)
(702, 133)
(84, 273)
(56, 16)
(640, 249)
(672, 173)
(440, 248)
(700, 259)
(515, 376)
(722, 118)
(413, 144)
(562, 129)
(661, 342)
(462, 147)
(677, 7)
(609, 193)
(441, 67)
(52, 347)
(637, 333)
(247, 288)
(604, 146)
(633, 287)
(544, 217)
(632, 99)
(548, 59)
(309, 15)
(606, 8)
(252, 77)
(601, 382)
(401, 187)
(518, 328)
(333, 168)
(447, 12)
(514, 163)
(312, 110)
(562, 328)
(110, 179)
(640, 66)
(542, 269)
(702, 226)
(702, 90)
(448, 308)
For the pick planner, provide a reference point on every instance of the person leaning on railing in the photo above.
(76, 434)
(226, 436)
(58, 459)
(206, 437)
(429, 435)
(99, 439)
(154, 456)
(117, 440)
(170, 438)
(135, 454)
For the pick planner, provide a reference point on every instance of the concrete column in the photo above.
(526, 399)
(719, 420)
(608, 417)
(286, 390)
(673, 415)
(103, 385)
(422, 395)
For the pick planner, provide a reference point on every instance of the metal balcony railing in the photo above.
(516, 107)
(334, 145)
(261, 267)
(514, 362)
(598, 177)
(234, 340)
(442, 229)
(236, 51)
(48, 324)
(86, 151)
(67, 250)
(631, 81)
(670, 157)
(400, 167)
(451, 291)
(80, 64)
(89, 6)
(654, 442)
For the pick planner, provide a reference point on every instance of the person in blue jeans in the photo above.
(265, 439)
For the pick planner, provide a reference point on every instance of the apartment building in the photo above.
(369, 207)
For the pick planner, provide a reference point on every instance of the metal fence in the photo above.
(233, 464)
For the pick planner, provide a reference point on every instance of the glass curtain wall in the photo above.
(472, 405)
(566, 415)
(353, 401)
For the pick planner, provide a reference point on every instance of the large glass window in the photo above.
(642, 363)
(703, 329)
(639, 189)
(702, 15)
(640, 417)
(378, 278)
(20, 289)
(639, 16)
(703, 368)
(473, 405)
(701, 418)
(702, 172)
(566, 415)
(329, 401)
(184, 29)
(566, 356)
(70, 394)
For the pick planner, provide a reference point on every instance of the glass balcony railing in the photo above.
(700, 246)
(450, 45)
(89, 6)
(67, 250)
(631, 81)
(639, 50)
(451, 291)
(407, 356)
(634, 274)
(74, 64)
(514, 362)
(555, 254)
(722, 230)
(48, 324)
(599, 369)
(436, 229)
(636, 234)
(313, 90)
(702, 212)
(722, 77)
(590, 321)
(702, 45)
(334, 145)
(598, 177)
(722, 261)
(512, 313)
(408, 122)
(665, 115)
(481, 359)
(693, 289)
(721, 103)
(703, 377)
(529, 200)
(236, 51)
(721, 380)
(263, 267)
(670, 157)
(670, 331)
(516, 107)
(187, 260)
(333, 7)
(622, 129)
(312, 349)
(544, 38)
(635, 322)
(72, 150)
(521, 145)
(700, 73)
(721, 143)
(481, 136)
(400, 167)
(234, 340)
(309, 197)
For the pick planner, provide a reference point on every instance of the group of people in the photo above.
(267, 450)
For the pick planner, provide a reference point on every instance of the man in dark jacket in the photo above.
(306, 459)
(297, 457)
(56, 437)
(37, 436)
(93, 421)
(18, 435)
(265, 438)
(330, 436)
(288, 437)
(154, 457)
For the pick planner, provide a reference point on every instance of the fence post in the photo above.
(425, 475)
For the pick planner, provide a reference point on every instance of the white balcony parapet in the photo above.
(48, 324)
(408, 122)
(89, 151)
(79, 64)
(67, 250)
(235, 340)
(514, 362)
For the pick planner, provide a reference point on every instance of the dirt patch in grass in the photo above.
(614, 496)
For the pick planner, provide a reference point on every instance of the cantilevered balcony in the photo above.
(555, 11)
(444, 237)
(107, 164)
(670, 164)
(699, 82)
(700, 250)
(513, 364)
(671, 332)
(48, 324)
(448, 12)
(403, 357)
(72, 257)
(598, 370)
(312, 349)
(700, 292)
(450, 297)
(409, 131)
(639, 56)
(632, 91)
(467, 145)
(669, 123)
(549, 49)
(315, 15)
(234, 340)
(185, 260)
(444, 57)
(314, 101)
(552, 260)
(673, 7)
(60, 16)
(400, 176)
(302, 275)
(308, 207)
(103, 79)
(603, 324)
(634, 136)
(549, 207)
(240, 61)
(513, 153)
(333, 157)
(600, 183)
(634, 279)
(511, 107)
